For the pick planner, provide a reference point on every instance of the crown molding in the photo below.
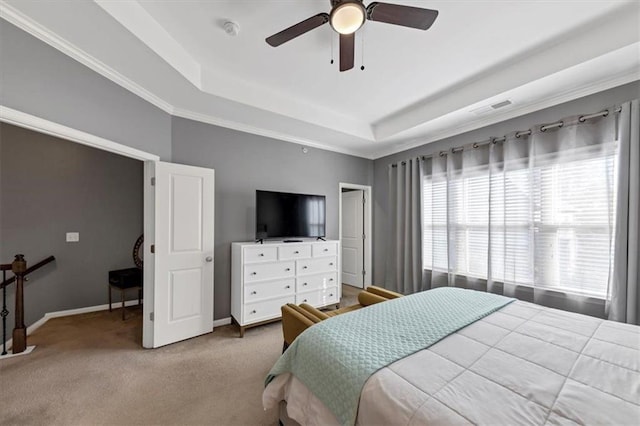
(216, 121)
(10, 14)
(567, 96)
(25, 23)
(42, 125)
(141, 24)
(15, 17)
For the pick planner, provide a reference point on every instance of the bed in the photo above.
(520, 364)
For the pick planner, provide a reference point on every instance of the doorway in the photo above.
(168, 188)
(355, 234)
(82, 207)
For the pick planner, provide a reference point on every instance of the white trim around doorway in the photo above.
(368, 194)
(42, 125)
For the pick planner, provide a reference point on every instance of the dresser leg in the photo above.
(242, 331)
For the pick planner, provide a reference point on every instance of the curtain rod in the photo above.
(543, 128)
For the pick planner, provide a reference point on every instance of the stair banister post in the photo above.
(4, 312)
(18, 267)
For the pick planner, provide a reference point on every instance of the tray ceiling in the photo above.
(417, 86)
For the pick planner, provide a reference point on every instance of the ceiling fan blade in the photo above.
(298, 29)
(406, 16)
(347, 46)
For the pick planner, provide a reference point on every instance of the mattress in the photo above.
(524, 364)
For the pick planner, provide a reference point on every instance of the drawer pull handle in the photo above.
(288, 269)
(326, 249)
(288, 286)
(331, 295)
(304, 267)
(253, 312)
(304, 283)
(331, 264)
(254, 273)
(254, 292)
(330, 279)
(296, 252)
(261, 255)
(305, 300)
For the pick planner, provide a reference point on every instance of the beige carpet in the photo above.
(91, 369)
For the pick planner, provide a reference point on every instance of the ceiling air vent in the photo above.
(501, 104)
(486, 109)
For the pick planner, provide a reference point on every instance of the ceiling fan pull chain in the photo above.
(362, 34)
(332, 38)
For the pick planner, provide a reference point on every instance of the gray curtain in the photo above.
(625, 295)
(530, 217)
(404, 260)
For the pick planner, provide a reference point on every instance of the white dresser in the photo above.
(266, 276)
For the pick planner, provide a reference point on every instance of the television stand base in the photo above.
(291, 241)
(320, 238)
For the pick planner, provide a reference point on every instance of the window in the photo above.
(547, 225)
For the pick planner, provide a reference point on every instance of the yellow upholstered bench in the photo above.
(296, 319)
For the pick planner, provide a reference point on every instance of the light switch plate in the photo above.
(73, 237)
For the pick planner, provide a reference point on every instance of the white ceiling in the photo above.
(418, 86)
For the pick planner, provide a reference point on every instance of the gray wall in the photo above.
(244, 163)
(38, 79)
(588, 104)
(50, 186)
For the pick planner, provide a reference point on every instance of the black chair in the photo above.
(125, 279)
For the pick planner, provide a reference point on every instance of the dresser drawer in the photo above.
(269, 271)
(316, 282)
(315, 266)
(263, 290)
(260, 254)
(325, 249)
(320, 297)
(260, 311)
(294, 252)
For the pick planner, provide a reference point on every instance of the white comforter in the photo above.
(524, 364)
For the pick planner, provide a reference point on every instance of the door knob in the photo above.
(209, 259)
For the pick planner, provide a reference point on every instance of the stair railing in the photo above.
(4, 312)
(20, 272)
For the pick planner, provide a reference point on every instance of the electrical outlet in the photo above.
(73, 237)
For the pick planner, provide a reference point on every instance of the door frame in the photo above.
(41, 125)
(368, 228)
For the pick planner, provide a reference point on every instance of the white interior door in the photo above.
(353, 238)
(183, 253)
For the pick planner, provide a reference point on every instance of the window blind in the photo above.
(548, 223)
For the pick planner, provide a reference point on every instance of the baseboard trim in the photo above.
(69, 312)
(27, 351)
(222, 321)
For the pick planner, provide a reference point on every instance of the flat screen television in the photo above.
(287, 215)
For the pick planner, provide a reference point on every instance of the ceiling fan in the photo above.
(348, 16)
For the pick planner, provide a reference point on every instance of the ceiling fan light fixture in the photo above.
(347, 17)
